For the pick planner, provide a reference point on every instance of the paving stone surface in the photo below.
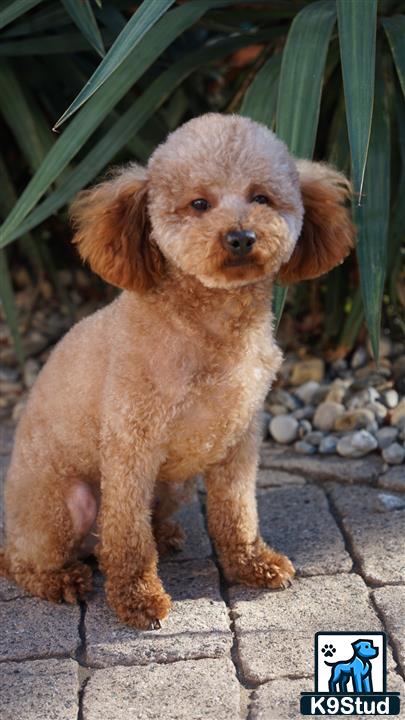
(39, 690)
(275, 478)
(364, 470)
(193, 690)
(198, 624)
(393, 479)
(391, 605)
(280, 699)
(297, 522)
(10, 591)
(33, 628)
(275, 630)
(188, 668)
(375, 524)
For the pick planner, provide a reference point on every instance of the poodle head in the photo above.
(222, 200)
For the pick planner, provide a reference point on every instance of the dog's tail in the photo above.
(5, 570)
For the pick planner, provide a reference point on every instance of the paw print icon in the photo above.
(328, 650)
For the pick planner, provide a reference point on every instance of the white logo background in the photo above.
(344, 651)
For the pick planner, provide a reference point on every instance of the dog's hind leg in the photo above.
(45, 523)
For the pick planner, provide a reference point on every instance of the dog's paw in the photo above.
(259, 566)
(67, 584)
(169, 536)
(140, 606)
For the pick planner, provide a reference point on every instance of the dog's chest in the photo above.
(218, 408)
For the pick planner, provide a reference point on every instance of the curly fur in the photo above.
(168, 380)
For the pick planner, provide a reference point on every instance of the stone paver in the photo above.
(276, 478)
(280, 699)
(393, 479)
(391, 605)
(375, 523)
(275, 630)
(185, 670)
(193, 690)
(297, 521)
(33, 628)
(39, 690)
(364, 470)
(198, 624)
(9, 590)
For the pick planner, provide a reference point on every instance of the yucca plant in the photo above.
(327, 75)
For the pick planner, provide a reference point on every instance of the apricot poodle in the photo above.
(168, 380)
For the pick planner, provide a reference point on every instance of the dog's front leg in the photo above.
(127, 547)
(233, 521)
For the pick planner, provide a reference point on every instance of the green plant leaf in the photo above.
(300, 88)
(8, 197)
(397, 224)
(127, 126)
(338, 151)
(15, 9)
(372, 217)
(334, 301)
(9, 306)
(301, 76)
(24, 118)
(395, 31)
(111, 17)
(279, 298)
(357, 22)
(82, 15)
(352, 324)
(98, 107)
(44, 19)
(66, 42)
(136, 28)
(260, 99)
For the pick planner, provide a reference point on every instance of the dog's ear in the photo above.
(327, 233)
(113, 231)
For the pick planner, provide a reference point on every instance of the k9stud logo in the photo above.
(350, 676)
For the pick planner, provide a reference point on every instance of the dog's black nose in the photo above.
(240, 242)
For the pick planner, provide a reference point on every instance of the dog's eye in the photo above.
(261, 199)
(200, 204)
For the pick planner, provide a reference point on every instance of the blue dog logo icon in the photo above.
(354, 686)
(358, 669)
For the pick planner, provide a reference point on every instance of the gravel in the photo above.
(349, 408)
